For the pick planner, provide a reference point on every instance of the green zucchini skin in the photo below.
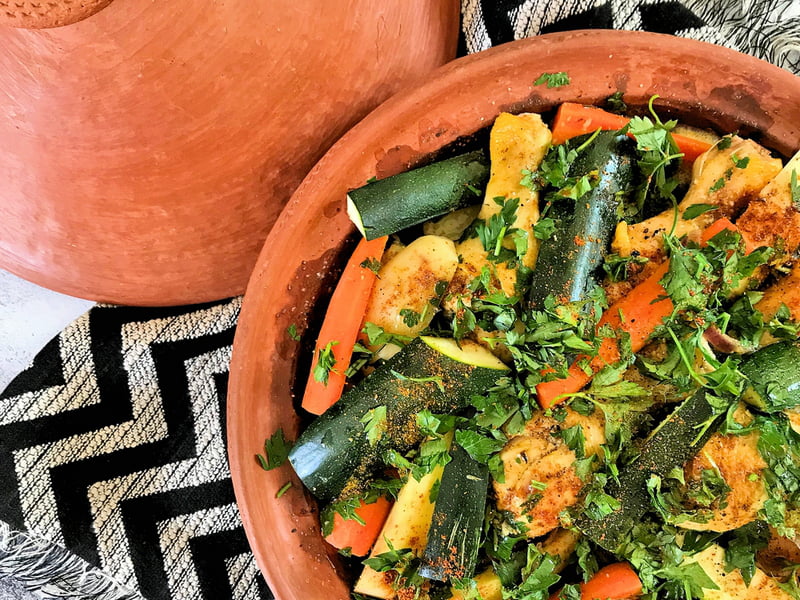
(335, 446)
(774, 374)
(568, 262)
(676, 440)
(671, 445)
(455, 532)
(389, 205)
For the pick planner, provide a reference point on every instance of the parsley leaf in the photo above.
(374, 424)
(616, 104)
(553, 80)
(276, 451)
(740, 163)
(657, 151)
(479, 447)
(292, 331)
(619, 268)
(371, 263)
(410, 317)
(389, 560)
(325, 363)
(695, 210)
(544, 228)
(742, 547)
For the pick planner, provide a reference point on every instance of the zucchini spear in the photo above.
(389, 205)
(379, 414)
(568, 261)
(681, 436)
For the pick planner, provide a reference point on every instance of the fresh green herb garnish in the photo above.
(410, 317)
(292, 331)
(740, 163)
(373, 264)
(553, 80)
(741, 549)
(374, 424)
(276, 451)
(326, 362)
(544, 228)
(619, 268)
(284, 488)
(695, 210)
(437, 379)
(616, 104)
(657, 152)
(720, 183)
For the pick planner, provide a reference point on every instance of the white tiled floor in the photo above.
(29, 316)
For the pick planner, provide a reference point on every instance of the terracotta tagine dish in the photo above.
(149, 146)
(704, 85)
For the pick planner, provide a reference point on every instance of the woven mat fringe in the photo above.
(50, 571)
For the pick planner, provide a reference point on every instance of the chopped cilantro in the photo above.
(741, 549)
(720, 183)
(373, 264)
(695, 210)
(389, 560)
(553, 80)
(292, 331)
(725, 142)
(284, 488)
(619, 268)
(437, 379)
(276, 451)
(374, 424)
(616, 104)
(657, 151)
(326, 362)
(544, 228)
(376, 336)
(740, 163)
(410, 317)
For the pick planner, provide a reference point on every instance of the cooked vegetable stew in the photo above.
(569, 369)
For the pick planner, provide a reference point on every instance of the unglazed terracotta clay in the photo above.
(704, 84)
(148, 148)
(40, 14)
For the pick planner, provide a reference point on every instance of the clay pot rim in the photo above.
(261, 364)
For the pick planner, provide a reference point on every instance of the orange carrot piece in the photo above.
(617, 581)
(638, 314)
(720, 225)
(349, 533)
(575, 119)
(342, 324)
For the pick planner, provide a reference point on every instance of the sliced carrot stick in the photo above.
(617, 581)
(342, 324)
(349, 533)
(638, 314)
(720, 225)
(575, 119)
(716, 227)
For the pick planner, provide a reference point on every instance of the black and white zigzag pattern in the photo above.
(114, 444)
(768, 29)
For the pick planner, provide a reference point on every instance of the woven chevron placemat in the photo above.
(114, 482)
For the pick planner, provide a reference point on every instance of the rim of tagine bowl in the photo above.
(148, 148)
(707, 85)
